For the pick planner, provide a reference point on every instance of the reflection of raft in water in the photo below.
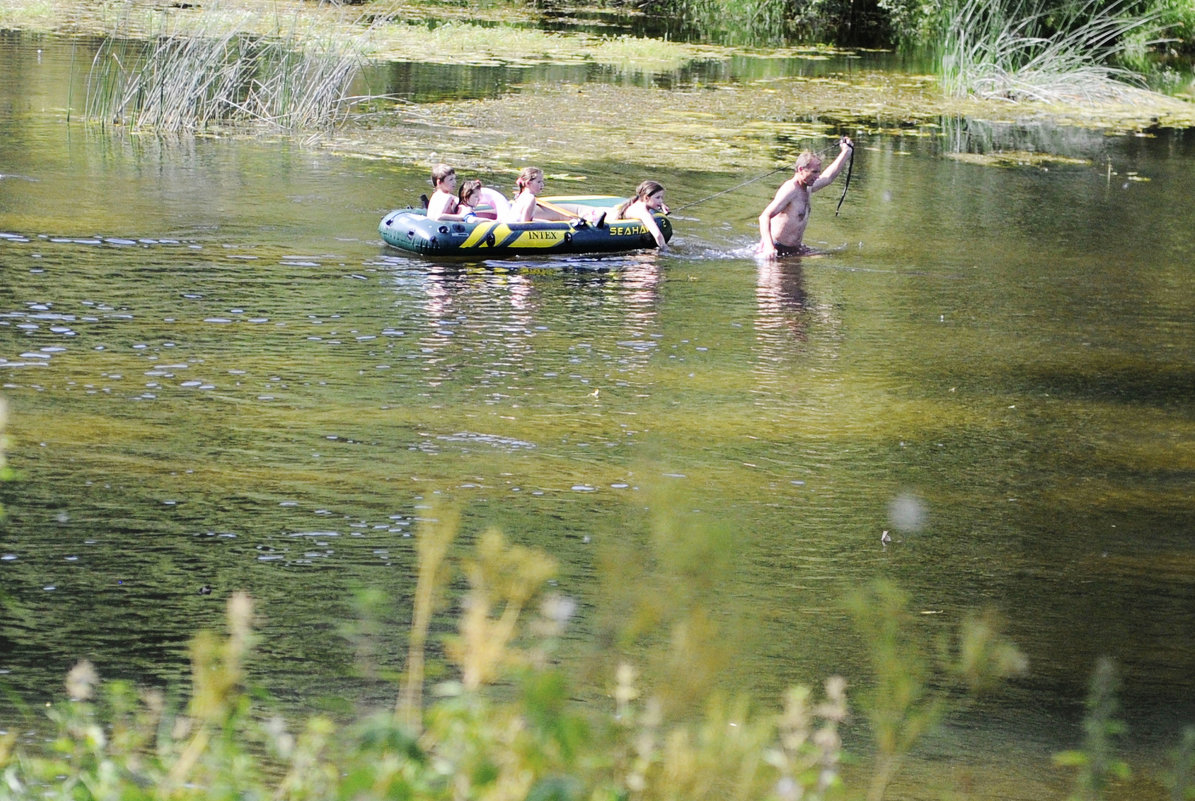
(411, 230)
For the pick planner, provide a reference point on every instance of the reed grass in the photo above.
(224, 74)
(1030, 50)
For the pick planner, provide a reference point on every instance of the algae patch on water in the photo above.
(723, 127)
(727, 127)
(1017, 158)
(602, 105)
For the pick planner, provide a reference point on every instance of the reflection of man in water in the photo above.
(780, 293)
(782, 224)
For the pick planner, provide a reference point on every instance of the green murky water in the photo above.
(217, 378)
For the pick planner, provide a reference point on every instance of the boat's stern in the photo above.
(408, 230)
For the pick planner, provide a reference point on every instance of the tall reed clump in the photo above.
(1035, 50)
(223, 74)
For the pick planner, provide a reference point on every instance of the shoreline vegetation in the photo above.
(501, 720)
(293, 66)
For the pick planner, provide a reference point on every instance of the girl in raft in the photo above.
(649, 197)
(474, 198)
(469, 197)
(526, 207)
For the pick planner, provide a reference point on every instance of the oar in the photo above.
(550, 206)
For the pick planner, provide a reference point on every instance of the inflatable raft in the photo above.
(412, 231)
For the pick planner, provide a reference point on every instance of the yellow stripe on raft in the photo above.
(504, 237)
(478, 235)
(539, 239)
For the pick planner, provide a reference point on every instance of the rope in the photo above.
(731, 189)
(850, 165)
(749, 181)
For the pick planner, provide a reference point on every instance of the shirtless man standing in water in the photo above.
(782, 224)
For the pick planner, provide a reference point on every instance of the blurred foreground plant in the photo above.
(507, 727)
(909, 696)
(1181, 778)
(1096, 763)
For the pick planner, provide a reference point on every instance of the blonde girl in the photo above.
(529, 184)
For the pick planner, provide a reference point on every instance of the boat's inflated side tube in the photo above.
(411, 230)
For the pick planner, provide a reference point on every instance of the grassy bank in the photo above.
(496, 33)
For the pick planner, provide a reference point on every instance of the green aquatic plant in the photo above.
(1033, 50)
(221, 75)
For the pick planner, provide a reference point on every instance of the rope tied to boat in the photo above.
(750, 181)
(731, 189)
